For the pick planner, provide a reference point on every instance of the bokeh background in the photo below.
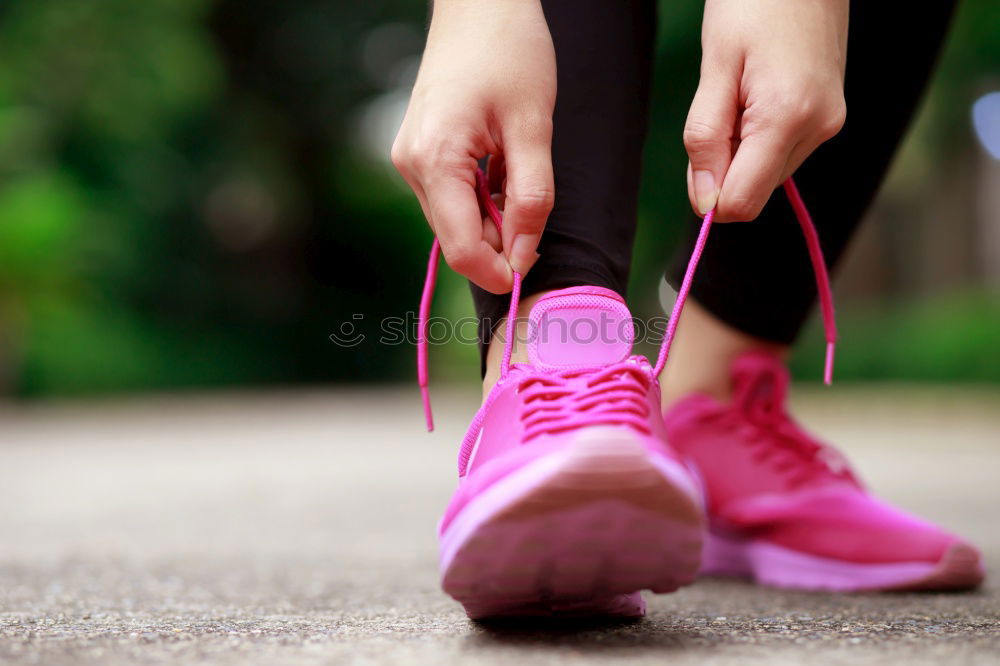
(196, 193)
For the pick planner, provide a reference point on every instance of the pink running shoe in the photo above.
(569, 499)
(787, 510)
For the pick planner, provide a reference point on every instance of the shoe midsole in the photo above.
(494, 499)
(770, 563)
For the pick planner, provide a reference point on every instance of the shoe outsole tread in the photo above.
(604, 523)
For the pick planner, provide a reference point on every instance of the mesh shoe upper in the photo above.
(581, 376)
(765, 476)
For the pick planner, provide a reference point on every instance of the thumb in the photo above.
(530, 195)
(708, 135)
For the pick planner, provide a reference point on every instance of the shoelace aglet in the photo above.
(425, 395)
(819, 268)
(828, 366)
(424, 315)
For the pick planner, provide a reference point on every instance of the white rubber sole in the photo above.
(777, 566)
(580, 531)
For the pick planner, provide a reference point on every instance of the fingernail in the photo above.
(706, 194)
(523, 254)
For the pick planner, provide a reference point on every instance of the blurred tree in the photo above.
(196, 192)
(173, 207)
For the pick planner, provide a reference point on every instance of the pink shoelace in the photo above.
(613, 395)
(538, 414)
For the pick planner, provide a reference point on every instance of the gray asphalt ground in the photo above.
(298, 528)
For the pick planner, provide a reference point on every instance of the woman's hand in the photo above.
(771, 91)
(487, 86)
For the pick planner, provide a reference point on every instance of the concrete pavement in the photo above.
(298, 528)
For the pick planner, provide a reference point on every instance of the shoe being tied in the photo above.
(569, 499)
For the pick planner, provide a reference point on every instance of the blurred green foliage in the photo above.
(943, 338)
(173, 194)
(187, 199)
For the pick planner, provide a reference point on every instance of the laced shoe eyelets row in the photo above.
(613, 395)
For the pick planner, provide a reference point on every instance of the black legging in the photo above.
(756, 277)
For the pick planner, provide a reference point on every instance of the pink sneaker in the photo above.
(569, 498)
(787, 511)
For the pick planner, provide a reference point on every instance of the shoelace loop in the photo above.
(430, 280)
(483, 193)
(569, 399)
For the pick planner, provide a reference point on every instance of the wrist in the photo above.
(459, 20)
(482, 8)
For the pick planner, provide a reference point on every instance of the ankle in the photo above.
(702, 355)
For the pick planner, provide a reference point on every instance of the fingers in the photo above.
(443, 179)
(414, 184)
(520, 174)
(530, 190)
(827, 127)
(708, 135)
(773, 149)
(755, 171)
(799, 153)
(490, 233)
(460, 229)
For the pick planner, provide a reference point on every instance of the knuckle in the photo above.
(795, 110)
(700, 136)
(412, 155)
(536, 124)
(790, 100)
(533, 199)
(461, 257)
(399, 155)
(833, 120)
(811, 112)
(422, 154)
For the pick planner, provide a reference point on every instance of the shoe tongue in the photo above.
(579, 327)
(760, 381)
